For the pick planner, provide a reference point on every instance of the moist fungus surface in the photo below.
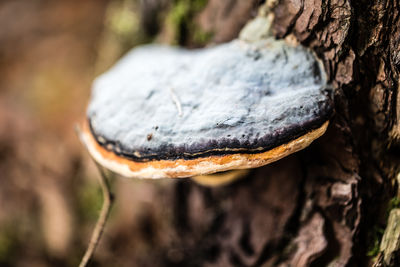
(164, 103)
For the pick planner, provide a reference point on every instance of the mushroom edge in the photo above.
(183, 168)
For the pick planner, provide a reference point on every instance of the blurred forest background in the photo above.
(50, 51)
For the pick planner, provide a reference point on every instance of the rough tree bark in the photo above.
(326, 205)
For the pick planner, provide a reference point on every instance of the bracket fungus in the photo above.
(171, 112)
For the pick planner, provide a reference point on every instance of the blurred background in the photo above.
(50, 51)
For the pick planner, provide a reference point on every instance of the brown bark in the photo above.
(319, 207)
(322, 205)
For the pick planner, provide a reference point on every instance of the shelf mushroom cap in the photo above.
(171, 112)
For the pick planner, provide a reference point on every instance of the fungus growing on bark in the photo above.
(171, 112)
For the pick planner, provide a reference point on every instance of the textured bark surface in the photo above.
(318, 207)
(359, 44)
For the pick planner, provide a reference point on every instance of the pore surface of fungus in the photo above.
(172, 112)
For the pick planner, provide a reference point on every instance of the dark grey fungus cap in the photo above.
(171, 112)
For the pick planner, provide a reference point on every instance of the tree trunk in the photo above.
(326, 205)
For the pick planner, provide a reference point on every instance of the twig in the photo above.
(101, 221)
(176, 101)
